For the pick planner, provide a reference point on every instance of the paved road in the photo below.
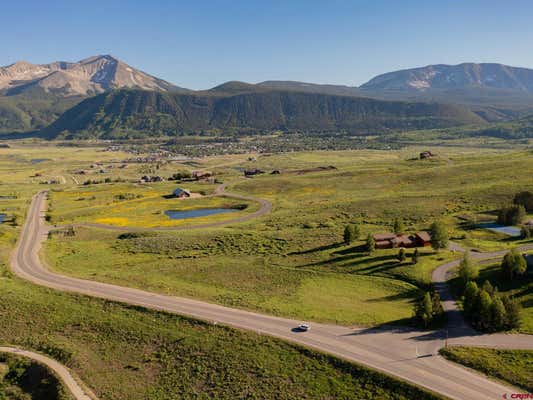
(62, 372)
(405, 353)
(265, 208)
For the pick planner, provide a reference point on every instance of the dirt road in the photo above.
(62, 372)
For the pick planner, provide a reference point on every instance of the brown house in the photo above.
(391, 240)
(422, 239)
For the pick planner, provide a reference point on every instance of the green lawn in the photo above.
(512, 366)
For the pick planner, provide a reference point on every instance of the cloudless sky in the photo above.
(199, 44)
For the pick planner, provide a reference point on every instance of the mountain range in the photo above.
(86, 77)
(102, 96)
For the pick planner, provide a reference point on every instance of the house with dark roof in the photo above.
(181, 193)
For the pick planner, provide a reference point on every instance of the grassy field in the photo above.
(512, 366)
(292, 262)
(131, 353)
(143, 206)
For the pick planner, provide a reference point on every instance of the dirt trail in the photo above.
(62, 372)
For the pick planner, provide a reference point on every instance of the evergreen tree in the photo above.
(349, 234)
(439, 235)
(370, 243)
(498, 314)
(424, 309)
(401, 255)
(512, 312)
(485, 310)
(525, 199)
(470, 295)
(414, 257)
(398, 226)
(436, 304)
(487, 287)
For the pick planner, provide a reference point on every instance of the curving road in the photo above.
(62, 372)
(408, 354)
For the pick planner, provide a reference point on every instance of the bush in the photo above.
(127, 196)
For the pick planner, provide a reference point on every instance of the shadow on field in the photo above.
(410, 294)
(317, 249)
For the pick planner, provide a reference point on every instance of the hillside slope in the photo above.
(148, 113)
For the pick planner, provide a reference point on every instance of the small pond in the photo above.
(199, 212)
(506, 230)
(2, 218)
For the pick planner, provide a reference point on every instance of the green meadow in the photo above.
(124, 352)
(511, 366)
(292, 262)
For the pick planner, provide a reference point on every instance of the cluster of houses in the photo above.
(392, 240)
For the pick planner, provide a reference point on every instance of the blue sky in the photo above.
(199, 44)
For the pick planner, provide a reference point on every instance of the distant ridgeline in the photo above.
(103, 97)
(140, 113)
